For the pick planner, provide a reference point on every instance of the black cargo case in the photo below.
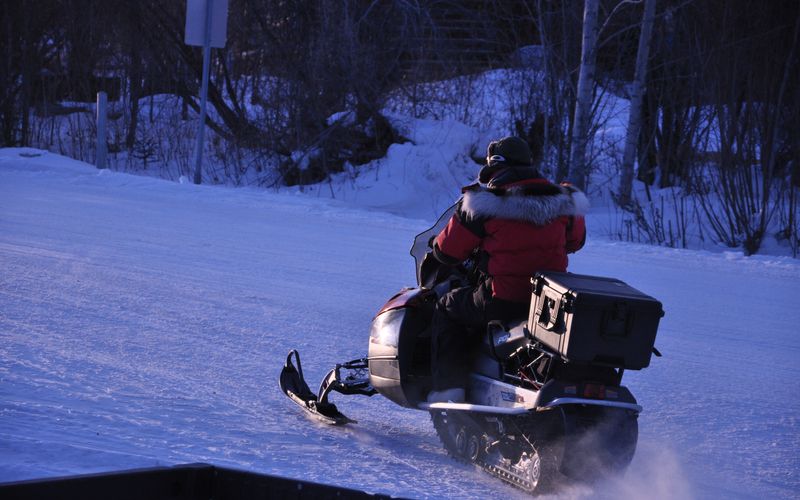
(182, 482)
(592, 319)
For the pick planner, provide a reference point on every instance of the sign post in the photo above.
(206, 26)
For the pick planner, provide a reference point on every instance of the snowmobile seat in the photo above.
(500, 340)
(504, 337)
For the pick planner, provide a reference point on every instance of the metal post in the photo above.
(198, 152)
(101, 152)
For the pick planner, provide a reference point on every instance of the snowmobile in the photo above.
(544, 400)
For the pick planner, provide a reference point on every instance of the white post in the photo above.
(198, 152)
(101, 152)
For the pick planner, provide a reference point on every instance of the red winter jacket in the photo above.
(521, 223)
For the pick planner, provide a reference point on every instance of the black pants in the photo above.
(459, 323)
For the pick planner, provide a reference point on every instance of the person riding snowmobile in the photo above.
(510, 224)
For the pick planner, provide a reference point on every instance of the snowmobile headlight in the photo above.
(386, 328)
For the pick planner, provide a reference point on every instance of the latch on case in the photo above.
(551, 314)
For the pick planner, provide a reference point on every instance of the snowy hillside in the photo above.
(144, 322)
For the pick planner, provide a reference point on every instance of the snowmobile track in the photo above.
(544, 467)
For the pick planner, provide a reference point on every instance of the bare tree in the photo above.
(755, 72)
(583, 104)
(555, 23)
(30, 46)
(635, 114)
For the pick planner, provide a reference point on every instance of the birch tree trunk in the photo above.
(635, 114)
(548, 111)
(583, 105)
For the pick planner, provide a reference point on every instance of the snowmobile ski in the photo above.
(294, 385)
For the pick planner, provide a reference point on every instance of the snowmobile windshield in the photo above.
(422, 242)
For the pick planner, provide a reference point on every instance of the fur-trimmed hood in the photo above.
(535, 203)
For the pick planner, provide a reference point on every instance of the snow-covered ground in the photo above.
(144, 322)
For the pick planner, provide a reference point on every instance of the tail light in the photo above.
(594, 391)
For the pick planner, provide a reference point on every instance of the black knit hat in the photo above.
(506, 152)
(511, 150)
